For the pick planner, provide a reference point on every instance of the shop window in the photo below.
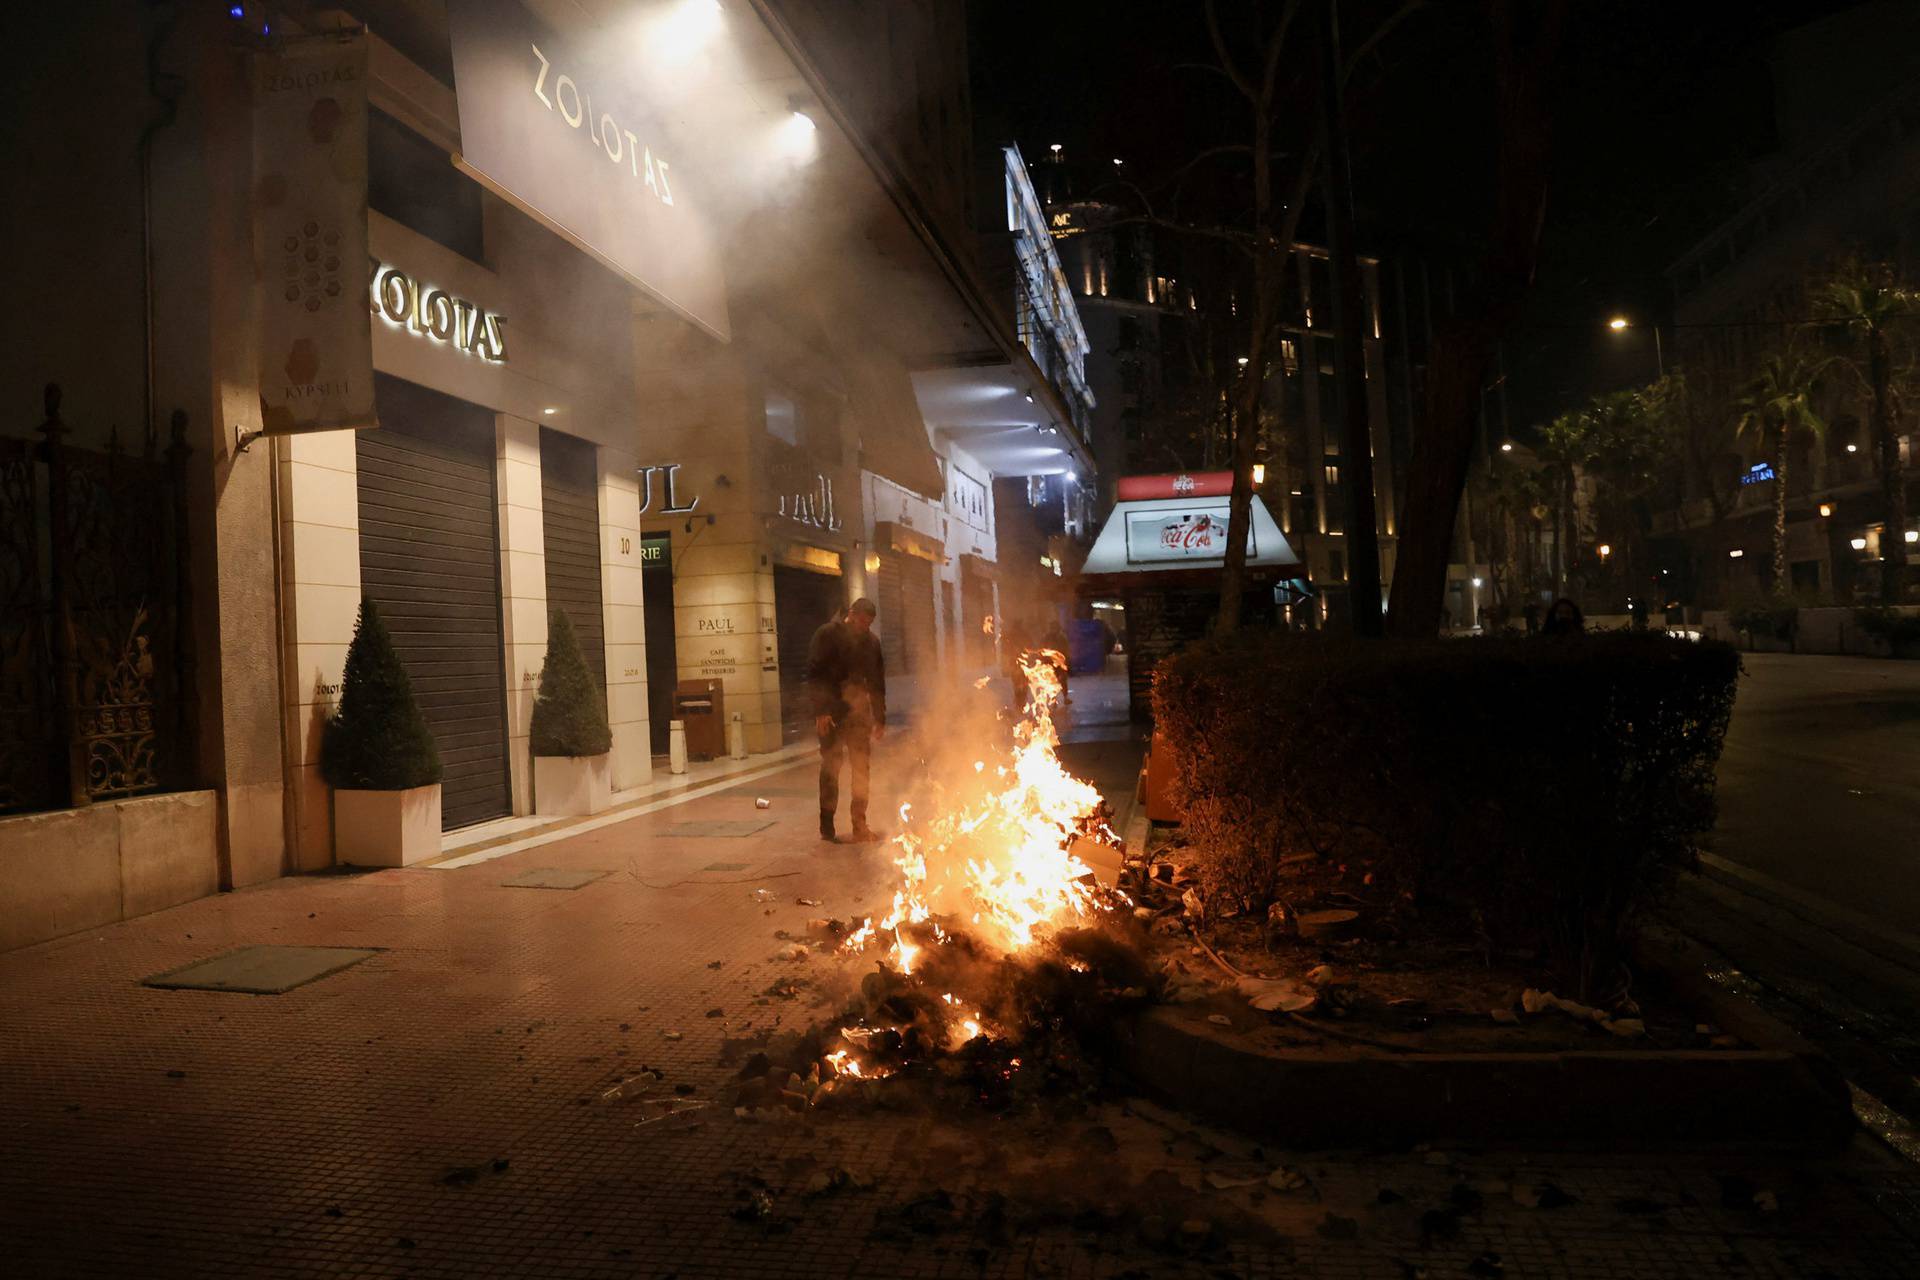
(783, 417)
(410, 181)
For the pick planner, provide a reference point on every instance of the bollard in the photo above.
(737, 736)
(676, 746)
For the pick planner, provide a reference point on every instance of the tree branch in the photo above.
(1228, 67)
(1380, 33)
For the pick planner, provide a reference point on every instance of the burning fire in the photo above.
(1003, 860)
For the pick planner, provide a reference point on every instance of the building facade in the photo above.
(695, 392)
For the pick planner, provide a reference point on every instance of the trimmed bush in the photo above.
(1779, 621)
(377, 740)
(569, 712)
(1534, 795)
(1900, 630)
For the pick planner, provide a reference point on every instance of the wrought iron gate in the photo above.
(96, 675)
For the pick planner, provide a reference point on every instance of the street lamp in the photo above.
(1259, 473)
(1826, 509)
(1858, 544)
(1606, 549)
(1506, 446)
(1620, 324)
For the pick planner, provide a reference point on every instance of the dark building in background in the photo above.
(1844, 179)
(1160, 371)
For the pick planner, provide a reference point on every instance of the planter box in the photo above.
(572, 786)
(386, 828)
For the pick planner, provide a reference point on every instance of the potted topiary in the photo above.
(379, 757)
(572, 767)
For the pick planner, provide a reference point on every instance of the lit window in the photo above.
(1333, 475)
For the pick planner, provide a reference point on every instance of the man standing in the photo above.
(847, 678)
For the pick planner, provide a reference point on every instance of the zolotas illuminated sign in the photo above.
(437, 315)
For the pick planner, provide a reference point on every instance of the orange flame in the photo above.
(1004, 860)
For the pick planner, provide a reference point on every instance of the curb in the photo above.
(1337, 1098)
(1783, 1093)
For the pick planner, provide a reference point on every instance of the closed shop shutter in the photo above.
(916, 620)
(891, 624)
(976, 606)
(570, 529)
(802, 601)
(430, 557)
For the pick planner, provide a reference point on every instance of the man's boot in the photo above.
(862, 833)
(826, 828)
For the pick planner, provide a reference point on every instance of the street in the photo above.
(1811, 885)
(473, 1099)
(1820, 781)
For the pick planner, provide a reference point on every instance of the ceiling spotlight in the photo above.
(549, 411)
(1029, 397)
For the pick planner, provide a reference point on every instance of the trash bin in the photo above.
(702, 706)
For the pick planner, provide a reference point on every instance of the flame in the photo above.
(986, 625)
(1005, 858)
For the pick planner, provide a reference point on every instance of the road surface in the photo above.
(1820, 782)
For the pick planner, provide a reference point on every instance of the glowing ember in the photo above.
(1001, 859)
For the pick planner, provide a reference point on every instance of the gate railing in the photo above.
(96, 672)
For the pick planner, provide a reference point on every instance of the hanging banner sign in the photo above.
(555, 126)
(310, 234)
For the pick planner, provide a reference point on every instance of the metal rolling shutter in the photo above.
(570, 527)
(802, 601)
(916, 623)
(430, 556)
(891, 625)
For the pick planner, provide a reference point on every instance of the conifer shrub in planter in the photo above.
(378, 755)
(1527, 794)
(572, 764)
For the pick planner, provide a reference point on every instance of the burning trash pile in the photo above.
(1001, 962)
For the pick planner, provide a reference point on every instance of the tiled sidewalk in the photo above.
(439, 1110)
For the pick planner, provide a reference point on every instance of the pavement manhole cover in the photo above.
(262, 970)
(745, 827)
(551, 878)
(725, 866)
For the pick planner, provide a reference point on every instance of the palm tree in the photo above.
(1862, 300)
(1564, 446)
(1778, 402)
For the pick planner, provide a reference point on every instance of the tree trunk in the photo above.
(1893, 485)
(1780, 513)
(1350, 351)
(1462, 350)
(1246, 425)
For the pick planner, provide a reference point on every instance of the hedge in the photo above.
(1532, 793)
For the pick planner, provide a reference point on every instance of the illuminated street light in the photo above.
(1506, 446)
(1858, 544)
(1617, 323)
(1476, 584)
(1242, 362)
(1260, 475)
(1735, 554)
(1606, 549)
(1826, 509)
(1853, 448)
(1913, 535)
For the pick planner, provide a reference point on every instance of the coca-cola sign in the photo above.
(1197, 533)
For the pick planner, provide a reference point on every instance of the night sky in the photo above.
(1661, 108)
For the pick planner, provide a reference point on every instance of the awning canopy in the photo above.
(1002, 415)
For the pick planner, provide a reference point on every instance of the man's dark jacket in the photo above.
(838, 656)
